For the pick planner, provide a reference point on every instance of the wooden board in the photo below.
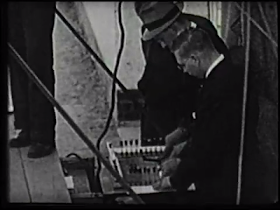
(45, 179)
(18, 189)
(107, 181)
(81, 183)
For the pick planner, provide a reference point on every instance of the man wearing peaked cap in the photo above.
(158, 17)
(169, 94)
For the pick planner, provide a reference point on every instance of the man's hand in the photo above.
(174, 138)
(169, 166)
(177, 149)
(163, 184)
(167, 151)
(125, 200)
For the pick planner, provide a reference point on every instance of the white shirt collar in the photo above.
(214, 64)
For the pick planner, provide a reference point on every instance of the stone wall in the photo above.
(81, 85)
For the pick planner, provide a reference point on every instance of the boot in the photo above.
(39, 150)
(22, 139)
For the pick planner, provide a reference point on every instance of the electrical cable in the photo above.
(122, 41)
(245, 89)
(208, 10)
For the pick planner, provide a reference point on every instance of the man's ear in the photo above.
(194, 59)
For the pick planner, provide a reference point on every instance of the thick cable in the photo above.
(209, 10)
(122, 41)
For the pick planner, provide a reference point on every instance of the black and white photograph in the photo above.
(134, 103)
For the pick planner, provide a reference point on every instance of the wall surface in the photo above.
(81, 85)
(196, 8)
(102, 21)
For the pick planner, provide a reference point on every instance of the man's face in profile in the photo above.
(166, 37)
(190, 64)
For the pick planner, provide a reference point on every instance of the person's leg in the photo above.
(38, 26)
(19, 79)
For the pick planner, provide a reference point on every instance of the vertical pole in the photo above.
(240, 160)
(208, 10)
(228, 15)
(242, 23)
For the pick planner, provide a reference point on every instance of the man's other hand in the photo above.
(163, 184)
(167, 151)
(176, 137)
(125, 200)
(169, 166)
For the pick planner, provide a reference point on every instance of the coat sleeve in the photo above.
(208, 144)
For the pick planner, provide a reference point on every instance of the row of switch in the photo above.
(130, 143)
(132, 152)
(133, 168)
(142, 142)
(142, 175)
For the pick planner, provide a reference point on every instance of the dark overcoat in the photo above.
(211, 160)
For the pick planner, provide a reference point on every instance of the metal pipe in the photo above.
(72, 124)
(245, 90)
(208, 10)
(98, 59)
(228, 15)
(242, 24)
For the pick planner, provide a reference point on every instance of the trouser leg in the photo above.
(19, 79)
(38, 28)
